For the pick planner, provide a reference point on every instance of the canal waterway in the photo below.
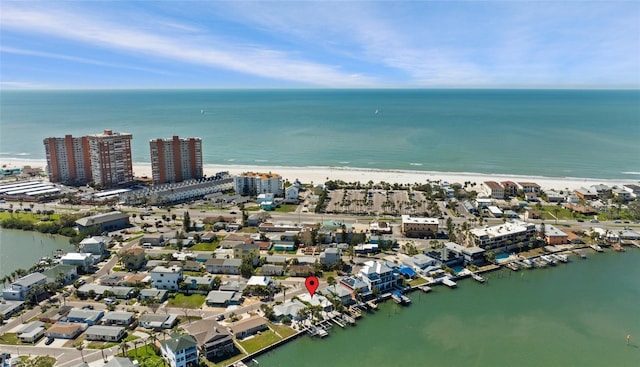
(22, 249)
(575, 314)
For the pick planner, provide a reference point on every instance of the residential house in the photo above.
(510, 188)
(158, 321)
(378, 275)
(633, 189)
(356, 285)
(105, 333)
(214, 341)
(248, 327)
(31, 332)
(195, 283)
(290, 309)
(493, 189)
(300, 270)
(261, 281)
(55, 314)
(63, 330)
(8, 308)
(96, 246)
(223, 266)
(291, 194)
(153, 239)
(471, 255)
(247, 250)
(419, 227)
(19, 289)
(276, 259)
(66, 273)
(133, 258)
(340, 292)
(622, 194)
(166, 277)
(84, 316)
(529, 187)
(554, 197)
(81, 260)
(272, 270)
(223, 298)
(121, 362)
(119, 318)
(180, 350)
(552, 235)
(158, 294)
(586, 194)
(317, 300)
(187, 265)
(331, 256)
(208, 237)
(419, 261)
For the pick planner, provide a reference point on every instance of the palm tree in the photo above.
(332, 281)
(80, 347)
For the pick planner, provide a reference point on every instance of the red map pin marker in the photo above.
(312, 284)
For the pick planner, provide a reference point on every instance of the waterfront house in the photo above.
(419, 261)
(8, 308)
(419, 227)
(493, 189)
(158, 321)
(187, 265)
(379, 276)
(552, 235)
(356, 285)
(30, 332)
(19, 289)
(105, 333)
(290, 309)
(96, 246)
(247, 327)
(586, 194)
(214, 341)
(633, 189)
(529, 187)
(63, 330)
(119, 318)
(166, 277)
(471, 255)
(340, 292)
(180, 350)
(554, 197)
(316, 300)
(503, 237)
(66, 273)
(510, 188)
(81, 260)
(106, 222)
(84, 316)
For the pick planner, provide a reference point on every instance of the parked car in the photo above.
(49, 341)
(110, 301)
(87, 307)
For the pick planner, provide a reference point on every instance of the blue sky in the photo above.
(336, 44)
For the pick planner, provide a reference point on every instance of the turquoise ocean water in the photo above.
(558, 133)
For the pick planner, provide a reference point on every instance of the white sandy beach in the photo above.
(322, 174)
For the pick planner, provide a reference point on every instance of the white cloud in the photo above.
(254, 60)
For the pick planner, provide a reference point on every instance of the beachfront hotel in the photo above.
(507, 236)
(419, 227)
(110, 154)
(254, 183)
(68, 160)
(175, 160)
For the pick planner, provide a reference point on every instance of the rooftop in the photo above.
(419, 220)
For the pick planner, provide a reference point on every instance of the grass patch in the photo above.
(205, 246)
(226, 362)
(283, 330)
(187, 301)
(248, 230)
(9, 339)
(258, 342)
(327, 274)
(193, 273)
(146, 355)
(417, 281)
(105, 345)
(286, 208)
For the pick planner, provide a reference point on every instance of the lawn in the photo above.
(205, 246)
(283, 330)
(10, 339)
(228, 361)
(286, 208)
(184, 301)
(105, 345)
(417, 281)
(248, 230)
(146, 355)
(258, 342)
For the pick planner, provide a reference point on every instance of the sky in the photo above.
(327, 44)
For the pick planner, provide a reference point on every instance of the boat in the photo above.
(528, 263)
(396, 298)
(372, 305)
(550, 260)
(560, 257)
(512, 266)
(478, 278)
(539, 263)
(597, 248)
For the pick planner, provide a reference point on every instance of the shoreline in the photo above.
(320, 174)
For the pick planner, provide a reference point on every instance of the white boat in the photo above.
(561, 257)
(478, 277)
(596, 247)
(512, 266)
(449, 283)
(539, 263)
(528, 263)
(550, 260)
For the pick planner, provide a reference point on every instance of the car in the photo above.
(617, 221)
(80, 282)
(87, 307)
(220, 317)
(109, 301)
(580, 220)
(49, 341)
(97, 298)
(232, 212)
(595, 221)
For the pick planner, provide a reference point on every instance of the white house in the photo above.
(378, 275)
(83, 260)
(19, 289)
(180, 350)
(95, 245)
(163, 277)
(330, 256)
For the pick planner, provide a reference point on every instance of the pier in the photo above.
(425, 288)
(449, 283)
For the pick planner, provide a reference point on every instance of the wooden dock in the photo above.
(425, 288)
(372, 305)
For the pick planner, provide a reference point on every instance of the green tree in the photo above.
(186, 221)
(246, 268)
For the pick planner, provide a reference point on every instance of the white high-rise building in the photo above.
(110, 155)
(253, 183)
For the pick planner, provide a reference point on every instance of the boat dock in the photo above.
(425, 288)
(478, 278)
(449, 283)
(372, 305)
(512, 266)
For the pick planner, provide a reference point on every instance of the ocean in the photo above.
(575, 314)
(555, 133)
